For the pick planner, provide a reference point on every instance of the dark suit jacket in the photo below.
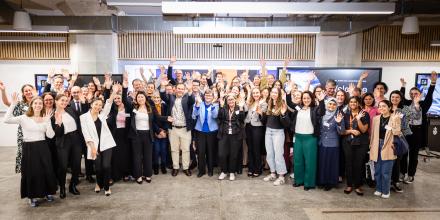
(237, 122)
(315, 114)
(187, 104)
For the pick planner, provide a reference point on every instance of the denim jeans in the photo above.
(274, 140)
(160, 151)
(382, 172)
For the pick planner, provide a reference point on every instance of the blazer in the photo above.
(315, 114)
(59, 129)
(387, 152)
(330, 131)
(237, 122)
(187, 105)
(105, 140)
(198, 114)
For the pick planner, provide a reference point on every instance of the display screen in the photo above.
(342, 76)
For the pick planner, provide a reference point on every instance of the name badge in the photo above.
(127, 115)
(25, 108)
(387, 127)
(230, 130)
(326, 124)
(297, 108)
(237, 112)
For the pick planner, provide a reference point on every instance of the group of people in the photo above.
(178, 120)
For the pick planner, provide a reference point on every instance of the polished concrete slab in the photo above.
(185, 197)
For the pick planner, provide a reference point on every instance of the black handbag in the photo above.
(401, 146)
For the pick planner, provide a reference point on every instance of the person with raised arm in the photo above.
(37, 176)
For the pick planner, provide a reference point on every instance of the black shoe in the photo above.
(250, 174)
(193, 165)
(148, 179)
(396, 188)
(163, 169)
(327, 188)
(73, 189)
(62, 192)
(297, 185)
(139, 181)
(200, 174)
(175, 172)
(346, 191)
(90, 179)
(187, 172)
(156, 170)
(359, 192)
(210, 173)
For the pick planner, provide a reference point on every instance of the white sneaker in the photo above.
(377, 193)
(385, 196)
(222, 176)
(279, 181)
(270, 177)
(231, 176)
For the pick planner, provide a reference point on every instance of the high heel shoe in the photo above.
(108, 192)
(97, 189)
(139, 180)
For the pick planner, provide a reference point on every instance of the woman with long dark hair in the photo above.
(37, 176)
(306, 126)
(99, 140)
(355, 144)
(49, 108)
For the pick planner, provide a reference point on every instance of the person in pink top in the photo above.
(368, 105)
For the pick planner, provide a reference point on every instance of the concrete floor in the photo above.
(184, 197)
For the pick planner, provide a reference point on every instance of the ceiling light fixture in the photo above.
(174, 7)
(29, 39)
(435, 43)
(248, 30)
(238, 40)
(410, 25)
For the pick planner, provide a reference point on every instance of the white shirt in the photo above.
(304, 122)
(69, 123)
(142, 123)
(32, 130)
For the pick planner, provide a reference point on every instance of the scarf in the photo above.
(329, 114)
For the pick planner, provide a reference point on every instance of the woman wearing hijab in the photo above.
(328, 149)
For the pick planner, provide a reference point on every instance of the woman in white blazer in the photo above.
(99, 140)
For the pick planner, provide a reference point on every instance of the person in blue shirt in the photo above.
(205, 114)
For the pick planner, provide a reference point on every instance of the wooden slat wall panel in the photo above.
(162, 45)
(34, 50)
(386, 43)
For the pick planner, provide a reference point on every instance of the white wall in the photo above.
(393, 71)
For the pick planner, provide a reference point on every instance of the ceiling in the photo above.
(73, 12)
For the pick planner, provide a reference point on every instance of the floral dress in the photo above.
(19, 109)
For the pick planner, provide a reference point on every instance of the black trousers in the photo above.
(396, 170)
(121, 155)
(409, 161)
(142, 152)
(354, 163)
(205, 150)
(70, 151)
(103, 168)
(255, 142)
(229, 145)
(88, 163)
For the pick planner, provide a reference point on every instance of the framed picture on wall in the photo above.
(423, 80)
(83, 80)
(342, 76)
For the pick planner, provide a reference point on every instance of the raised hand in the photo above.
(14, 98)
(125, 79)
(172, 60)
(416, 99)
(48, 114)
(360, 115)
(74, 76)
(66, 74)
(322, 95)
(115, 88)
(51, 73)
(2, 86)
(311, 76)
(351, 87)
(35, 93)
(434, 77)
(402, 82)
(286, 62)
(96, 81)
(364, 75)
(339, 117)
(162, 69)
(262, 62)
